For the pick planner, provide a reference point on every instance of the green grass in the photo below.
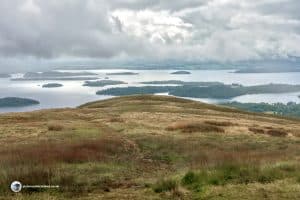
(165, 185)
(237, 175)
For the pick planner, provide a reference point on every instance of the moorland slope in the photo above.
(150, 147)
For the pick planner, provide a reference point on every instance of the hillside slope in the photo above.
(150, 147)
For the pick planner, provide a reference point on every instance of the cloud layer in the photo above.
(220, 30)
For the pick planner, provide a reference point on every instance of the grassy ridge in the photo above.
(150, 147)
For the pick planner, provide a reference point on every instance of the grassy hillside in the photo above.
(290, 109)
(150, 147)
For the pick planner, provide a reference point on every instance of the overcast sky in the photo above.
(42, 31)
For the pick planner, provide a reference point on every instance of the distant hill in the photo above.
(178, 82)
(55, 75)
(79, 78)
(268, 69)
(5, 75)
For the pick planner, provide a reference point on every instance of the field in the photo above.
(150, 147)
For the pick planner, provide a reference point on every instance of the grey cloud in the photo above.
(287, 8)
(174, 5)
(78, 28)
(45, 30)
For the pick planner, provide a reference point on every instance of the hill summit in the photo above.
(150, 147)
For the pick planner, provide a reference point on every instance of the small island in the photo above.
(17, 102)
(102, 83)
(122, 73)
(181, 72)
(52, 85)
(5, 76)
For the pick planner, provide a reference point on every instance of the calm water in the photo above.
(73, 94)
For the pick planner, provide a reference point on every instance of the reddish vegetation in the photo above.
(189, 127)
(277, 133)
(272, 132)
(219, 123)
(86, 150)
(256, 130)
(55, 127)
(116, 119)
(37, 164)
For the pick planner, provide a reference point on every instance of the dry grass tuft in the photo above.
(219, 123)
(55, 127)
(277, 133)
(190, 127)
(256, 130)
(116, 119)
(271, 131)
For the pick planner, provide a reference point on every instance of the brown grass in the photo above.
(256, 130)
(69, 152)
(277, 133)
(190, 127)
(116, 119)
(219, 123)
(271, 132)
(39, 163)
(55, 127)
(30, 174)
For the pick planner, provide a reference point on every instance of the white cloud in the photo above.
(156, 26)
(29, 6)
